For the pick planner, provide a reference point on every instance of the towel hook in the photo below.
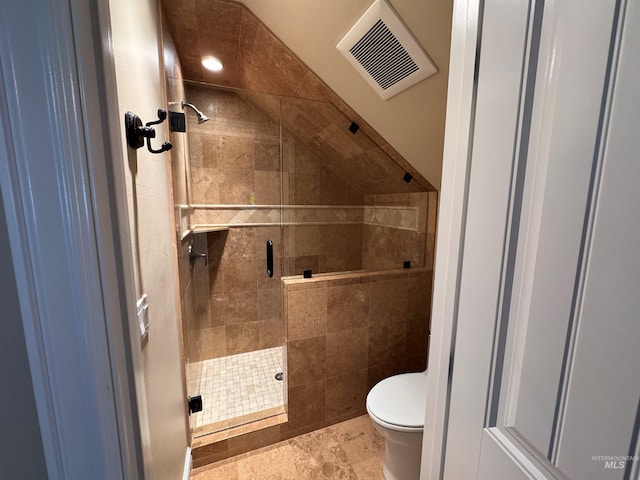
(136, 133)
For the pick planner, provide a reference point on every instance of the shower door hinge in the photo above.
(143, 316)
(195, 404)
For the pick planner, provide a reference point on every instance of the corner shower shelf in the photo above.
(208, 228)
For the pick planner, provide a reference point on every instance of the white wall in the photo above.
(136, 37)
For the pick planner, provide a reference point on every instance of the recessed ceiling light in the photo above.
(212, 63)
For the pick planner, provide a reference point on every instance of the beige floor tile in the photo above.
(369, 469)
(320, 456)
(351, 450)
(359, 439)
(227, 471)
(274, 464)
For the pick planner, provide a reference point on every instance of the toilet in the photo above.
(396, 406)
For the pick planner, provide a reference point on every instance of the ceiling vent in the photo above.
(384, 51)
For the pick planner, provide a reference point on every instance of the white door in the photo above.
(546, 361)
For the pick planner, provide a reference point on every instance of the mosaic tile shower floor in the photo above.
(240, 385)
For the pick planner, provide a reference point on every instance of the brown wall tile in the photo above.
(419, 294)
(307, 312)
(386, 342)
(239, 243)
(253, 440)
(269, 303)
(302, 263)
(389, 300)
(235, 153)
(270, 333)
(201, 317)
(212, 342)
(205, 185)
(306, 360)
(347, 307)
(267, 188)
(241, 307)
(332, 190)
(347, 351)
(216, 310)
(304, 189)
(216, 280)
(304, 161)
(243, 337)
(417, 334)
(346, 395)
(267, 154)
(210, 453)
(240, 275)
(236, 186)
(306, 404)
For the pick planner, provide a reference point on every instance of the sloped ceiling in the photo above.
(257, 60)
(323, 130)
(413, 121)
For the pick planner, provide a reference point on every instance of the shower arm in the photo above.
(201, 116)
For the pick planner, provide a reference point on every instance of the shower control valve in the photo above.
(193, 255)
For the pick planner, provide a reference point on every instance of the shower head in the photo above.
(201, 116)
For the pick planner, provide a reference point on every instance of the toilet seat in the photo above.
(398, 402)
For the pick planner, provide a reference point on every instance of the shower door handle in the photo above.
(270, 258)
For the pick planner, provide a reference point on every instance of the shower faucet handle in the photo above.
(193, 256)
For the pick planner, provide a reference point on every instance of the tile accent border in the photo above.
(219, 216)
(183, 215)
(403, 218)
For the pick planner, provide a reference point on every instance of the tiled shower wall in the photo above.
(322, 247)
(329, 226)
(245, 307)
(235, 160)
(390, 235)
(347, 332)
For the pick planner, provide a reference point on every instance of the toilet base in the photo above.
(401, 462)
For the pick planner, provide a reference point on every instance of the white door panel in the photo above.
(560, 192)
(604, 385)
(546, 366)
(501, 460)
(498, 110)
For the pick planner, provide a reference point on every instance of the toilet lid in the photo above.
(400, 400)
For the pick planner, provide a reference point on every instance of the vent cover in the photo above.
(384, 52)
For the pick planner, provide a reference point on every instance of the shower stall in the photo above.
(278, 187)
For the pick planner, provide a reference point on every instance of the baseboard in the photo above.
(187, 465)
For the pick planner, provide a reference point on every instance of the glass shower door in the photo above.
(236, 193)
